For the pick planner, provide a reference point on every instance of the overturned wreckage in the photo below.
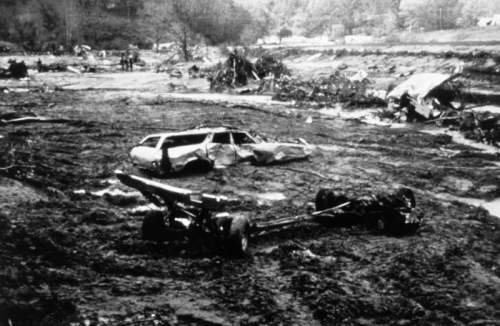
(423, 96)
(204, 148)
(199, 217)
(435, 97)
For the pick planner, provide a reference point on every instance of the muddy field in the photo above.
(68, 258)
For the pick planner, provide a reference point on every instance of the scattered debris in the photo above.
(337, 88)
(385, 212)
(423, 96)
(195, 72)
(238, 70)
(430, 97)
(53, 67)
(16, 70)
(267, 65)
(189, 214)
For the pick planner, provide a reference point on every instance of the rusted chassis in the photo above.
(198, 217)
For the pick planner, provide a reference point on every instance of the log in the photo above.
(26, 120)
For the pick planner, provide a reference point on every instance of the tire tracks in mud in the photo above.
(279, 286)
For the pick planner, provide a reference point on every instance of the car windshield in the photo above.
(184, 140)
(150, 142)
(242, 138)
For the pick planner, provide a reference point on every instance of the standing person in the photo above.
(131, 61)
(127, 62)
(123, 61)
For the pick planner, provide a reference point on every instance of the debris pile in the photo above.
(483, 127)
(337, 88)
(15, 70)
(422, 97)
(434, 97)
(58, 66)
(236, 71)
(267, 65)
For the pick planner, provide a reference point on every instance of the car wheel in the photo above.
(199, 166)
(158, 169)
(153, 227)
(239, 236)
(408, 196)
(320, 200)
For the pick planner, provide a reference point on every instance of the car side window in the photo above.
(184, 140)
(221, 138)
(242, 138)
(150, 142)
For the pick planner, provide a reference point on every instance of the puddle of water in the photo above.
(143, 209)
(368, 116)
(493, 207)
(458, 138)
(271, 196)
(114, 192)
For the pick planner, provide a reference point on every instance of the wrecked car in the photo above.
(204, 148)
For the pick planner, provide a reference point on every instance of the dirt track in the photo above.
(65, 257)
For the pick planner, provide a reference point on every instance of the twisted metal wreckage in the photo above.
(187, 214)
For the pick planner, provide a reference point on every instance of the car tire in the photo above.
(408, 195)
(158, 169)
(153, 227)
(320, 200)
(239, 236)
(199, 166)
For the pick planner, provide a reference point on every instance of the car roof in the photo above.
(198, 131)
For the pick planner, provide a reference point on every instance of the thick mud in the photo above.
(69, 257)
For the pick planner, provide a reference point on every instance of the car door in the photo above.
(221, 149)
(244, 144)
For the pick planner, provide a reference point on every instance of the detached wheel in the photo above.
(407, 195)
(321, 199)
(153, 227)
(239, 236)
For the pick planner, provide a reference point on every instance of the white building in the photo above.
(489, 21)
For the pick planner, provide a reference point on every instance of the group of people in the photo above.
(127, 62)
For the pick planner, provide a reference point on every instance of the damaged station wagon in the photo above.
(205, 148)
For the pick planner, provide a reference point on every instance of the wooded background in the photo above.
(40, 25)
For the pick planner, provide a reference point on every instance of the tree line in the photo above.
(40, 25)
(377, 17)
(43, 25)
